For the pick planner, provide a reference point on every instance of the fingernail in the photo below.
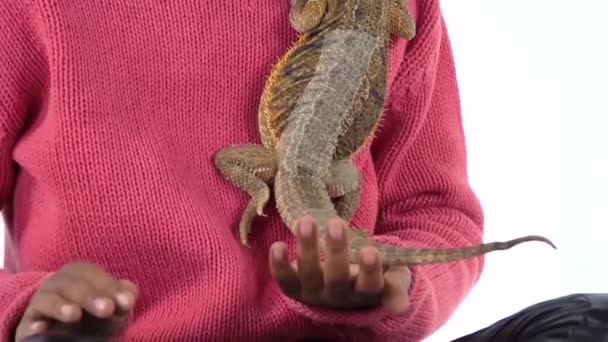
(37, 326)
(369, 259)
(101, 304)
(336, 232)
(306, 230)
(278, 253)
(124, 299)
(68, 310)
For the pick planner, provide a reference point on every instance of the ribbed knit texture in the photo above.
(110, 113)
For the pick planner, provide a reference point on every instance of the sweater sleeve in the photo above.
(425, 197)
(22, 78)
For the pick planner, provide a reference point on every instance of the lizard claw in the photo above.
(244, 230)
(245, 225)
(255, 208)
(261, 201)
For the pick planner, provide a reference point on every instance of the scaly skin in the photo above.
(321, 105)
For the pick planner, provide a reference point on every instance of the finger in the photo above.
(370, 281)
(122, 298)
(104, 282)
(338, 282)
(282, 272)
(309, 265)
(127, 295)
(50, 305)
(80, 292)
(27, 329)
(395, 297)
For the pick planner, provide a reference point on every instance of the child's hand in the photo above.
(336, 283)
(82, 297)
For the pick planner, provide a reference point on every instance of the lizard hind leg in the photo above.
(306, 15)
(250, 168)
(401, 21)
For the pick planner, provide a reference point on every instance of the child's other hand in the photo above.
(80, 297)
(335, 283)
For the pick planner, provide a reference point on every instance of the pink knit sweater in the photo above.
(110, 113)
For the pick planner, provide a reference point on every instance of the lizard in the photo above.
(320, 105)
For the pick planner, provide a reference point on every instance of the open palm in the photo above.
(334, 282)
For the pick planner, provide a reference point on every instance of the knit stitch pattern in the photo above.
(110, 113)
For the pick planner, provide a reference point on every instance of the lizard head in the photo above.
(309, 16)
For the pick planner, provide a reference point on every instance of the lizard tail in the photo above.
(302, 194)
(401, 256)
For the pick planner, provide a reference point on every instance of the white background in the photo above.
(534, 81)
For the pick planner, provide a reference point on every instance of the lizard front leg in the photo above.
(344, 185)
(305, 15)
(251, 168)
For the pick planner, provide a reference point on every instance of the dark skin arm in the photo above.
(335, 283)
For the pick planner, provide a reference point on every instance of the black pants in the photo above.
(573, 318)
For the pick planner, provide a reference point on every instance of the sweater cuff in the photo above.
(16, 290)
(365, 318)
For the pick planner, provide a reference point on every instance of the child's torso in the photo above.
(116, 166)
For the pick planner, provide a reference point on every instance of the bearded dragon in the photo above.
(321, 104)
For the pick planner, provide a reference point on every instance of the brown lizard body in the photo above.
(321, 105)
